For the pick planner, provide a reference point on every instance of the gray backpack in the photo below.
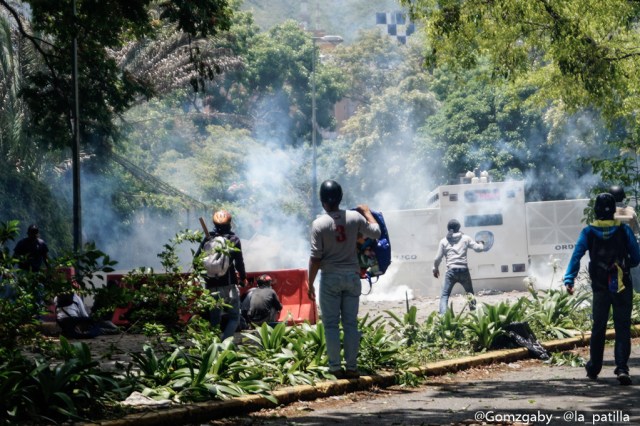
(217, 259)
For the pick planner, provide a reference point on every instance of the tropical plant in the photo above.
(310, 344)
(40, 392)
(48, 88)
(407, 326)
(635, 312)
(284, 353)
(378, 348)
(164, 298)
(556, 313)
(445, 331)
(484, 325)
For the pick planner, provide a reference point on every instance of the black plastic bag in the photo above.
(521, 334)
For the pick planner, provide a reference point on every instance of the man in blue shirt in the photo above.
(613, 250)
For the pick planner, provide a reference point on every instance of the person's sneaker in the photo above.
(339, 374)
(624, 378)
(351, 374)
(592, 376)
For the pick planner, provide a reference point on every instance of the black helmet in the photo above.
(618, 193)
(605, 206)
(331, 192)
(453, 225)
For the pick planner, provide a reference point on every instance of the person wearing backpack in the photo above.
(224, 271)
(453, 248)
(613, 250)
(333, 250)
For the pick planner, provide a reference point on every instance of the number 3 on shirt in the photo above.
(341, 235)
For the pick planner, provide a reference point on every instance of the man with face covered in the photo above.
(453, 248)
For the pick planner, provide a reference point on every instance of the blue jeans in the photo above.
(339, 303)
(622, 304)
(451, 277)
(229, 293)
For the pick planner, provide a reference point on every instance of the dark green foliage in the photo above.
(40, 392)
(106, 90)
(28, 200)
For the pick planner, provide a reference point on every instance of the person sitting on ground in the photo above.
(263, 303)
(75, 322)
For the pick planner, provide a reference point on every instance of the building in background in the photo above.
(395, 24)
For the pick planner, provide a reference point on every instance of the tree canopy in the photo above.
(99, 27)
(580, 53)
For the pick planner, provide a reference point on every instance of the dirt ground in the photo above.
(373, 306)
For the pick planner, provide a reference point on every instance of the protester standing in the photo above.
(453, 248)
(32, 252)
(225, 287)
(333, 251)
(613, 250)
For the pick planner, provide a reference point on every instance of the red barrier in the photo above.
(119, 314)
(291, 286)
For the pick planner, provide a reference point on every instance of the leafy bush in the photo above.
(484, 325)
(40, 392)
(378, 347)
(556, 314)
(162, 298)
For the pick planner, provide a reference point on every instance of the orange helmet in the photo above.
(221, 217)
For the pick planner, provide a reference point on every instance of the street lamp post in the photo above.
(314, 150)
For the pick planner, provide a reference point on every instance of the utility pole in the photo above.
(75, 145)
(314, 155)
(332, 39)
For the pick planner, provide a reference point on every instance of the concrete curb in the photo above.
(202, 412)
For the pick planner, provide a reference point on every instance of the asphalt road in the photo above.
(522, 393)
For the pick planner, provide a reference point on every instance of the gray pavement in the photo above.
(522, 393)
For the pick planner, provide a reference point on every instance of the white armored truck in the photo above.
(522, 239)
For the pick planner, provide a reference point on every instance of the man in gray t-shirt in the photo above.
(333, 250)
(262, 303)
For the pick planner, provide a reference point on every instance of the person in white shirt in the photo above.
(453, 248)
(75, 321)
